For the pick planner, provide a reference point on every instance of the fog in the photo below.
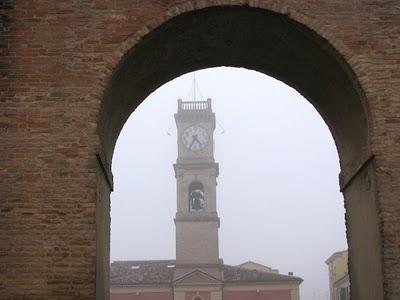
(278, 193)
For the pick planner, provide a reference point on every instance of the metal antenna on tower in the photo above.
(220, 126)
(169, 129)
(194, 86)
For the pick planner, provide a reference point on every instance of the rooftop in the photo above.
(127, 273)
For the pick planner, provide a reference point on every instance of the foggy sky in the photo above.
(278, 193)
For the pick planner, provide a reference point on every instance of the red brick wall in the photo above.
(228, 295)
(261, 295)
(143, 296)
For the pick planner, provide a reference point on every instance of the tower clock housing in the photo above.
(196, 172)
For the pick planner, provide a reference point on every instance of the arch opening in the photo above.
(275, 45)
(263, 185)
(196, 196)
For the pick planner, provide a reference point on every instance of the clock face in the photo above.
(195, 138)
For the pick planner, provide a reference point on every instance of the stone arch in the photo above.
(275, 44)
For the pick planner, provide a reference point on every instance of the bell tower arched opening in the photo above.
(196, 196)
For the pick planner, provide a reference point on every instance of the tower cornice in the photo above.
(182, 168)
(193, 218)
(193, 117)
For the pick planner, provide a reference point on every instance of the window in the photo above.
(196, 196)
(344, 294)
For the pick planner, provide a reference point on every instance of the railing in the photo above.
(194, 105)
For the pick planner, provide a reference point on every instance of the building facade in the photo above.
(339, 280)
(198, 273)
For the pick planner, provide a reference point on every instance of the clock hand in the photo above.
(197, 140)
(194, 138)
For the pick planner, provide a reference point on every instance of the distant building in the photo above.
(198, 273)
(258, 267)
(339, 281)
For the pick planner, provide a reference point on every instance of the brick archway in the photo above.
(276, 45)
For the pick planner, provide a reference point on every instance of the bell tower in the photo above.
(196, 219)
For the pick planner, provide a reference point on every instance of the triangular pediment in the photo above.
(197, 277)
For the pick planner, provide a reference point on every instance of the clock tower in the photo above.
(196, 172)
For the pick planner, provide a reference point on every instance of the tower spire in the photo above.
(194, 91)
